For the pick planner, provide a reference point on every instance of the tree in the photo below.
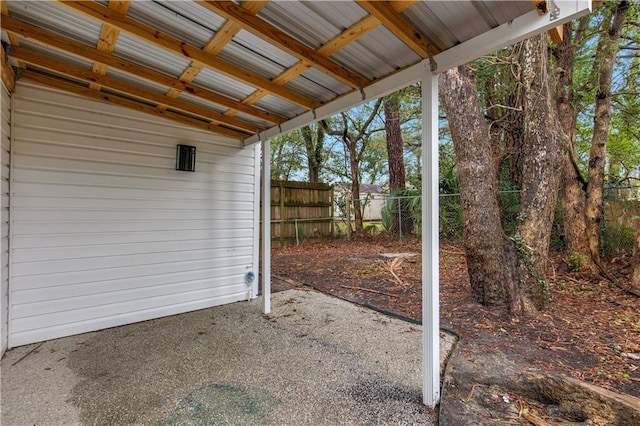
(582, 197)
(395, 145)
(353, 130)
(313, 137)
(506, 270)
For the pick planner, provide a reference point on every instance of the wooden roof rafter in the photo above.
(400, 27)
(216, 44)
(278, 38)
(108, 37)
(129, 103)
(332, 46)
(91, 77)
(19, 29)
(124, 23)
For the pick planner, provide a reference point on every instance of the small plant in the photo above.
(577, 261)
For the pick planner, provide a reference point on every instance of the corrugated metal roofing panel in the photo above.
(364, 55)
(251, 61)
(453, 14)
(169, 18)
(143, 84)
(315, 84)
(253, 120)
(430, 25)
(53, 53)
(144, 53)
(312, 22)
(200, 102)
(222, 84)
(252, 43)
(279, 106)
(57, 19)
(504, 12)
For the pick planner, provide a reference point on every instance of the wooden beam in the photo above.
(118, 100)
(556, 34)
(170, 43)
(216, 44)
(77, 73)
(278, 38)
(542, 7)
(108, 37)
(12, 37)
(332, 46)
(24, 30)
(400, 27)
(8, 76)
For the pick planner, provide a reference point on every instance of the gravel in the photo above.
(314, 360)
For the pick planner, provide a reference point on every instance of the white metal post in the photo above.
(257, 155)
(430, 243)
(266, 226)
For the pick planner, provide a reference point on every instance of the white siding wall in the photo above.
(5, 130)
(106, 232)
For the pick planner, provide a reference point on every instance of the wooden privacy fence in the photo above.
(300, 210)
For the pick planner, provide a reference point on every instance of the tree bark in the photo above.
(395, 145)
(314, 144)
(635, 273)
(572, 184)
(483, 235)
(606, 51)
(543, 145)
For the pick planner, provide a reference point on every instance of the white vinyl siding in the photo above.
(106, 232)
(5, 130)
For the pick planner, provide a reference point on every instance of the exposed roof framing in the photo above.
(251, 65)
(400, 27)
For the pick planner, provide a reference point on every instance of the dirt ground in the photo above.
(591, 331)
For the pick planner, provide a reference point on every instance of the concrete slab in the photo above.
(315, 360)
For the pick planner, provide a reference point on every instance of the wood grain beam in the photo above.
(4, 9)
(24, 30)
(8, 76)
(400, 27)
(216, 44)
(128, 103)
(89, 76)
(278, 38)
(108, 37)
(172, 44)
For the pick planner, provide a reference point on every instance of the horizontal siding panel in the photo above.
(80, 190)
(224, 276)
(106, 232)
(91, 312)
(47, 228)
(69, 107)
(102, 262)
(88, 251)
(112, 320)
(59, 163)
(129, 214)
(64, 240)
(197, 182)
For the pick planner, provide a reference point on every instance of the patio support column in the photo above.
(266, 226)
(430, 243)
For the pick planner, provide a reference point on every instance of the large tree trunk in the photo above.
(605, 57)
(635, 261)
(395, 145)
(573, 202)
(355, 183)
(314, 143)
(483, 235)
(543, 145)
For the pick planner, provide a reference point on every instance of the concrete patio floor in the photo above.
(314, 360)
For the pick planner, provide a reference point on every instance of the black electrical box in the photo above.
(186, 158)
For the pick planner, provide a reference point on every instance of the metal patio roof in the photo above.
(238, 68)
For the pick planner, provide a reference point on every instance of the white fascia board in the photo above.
(504, 35)
(509, 33)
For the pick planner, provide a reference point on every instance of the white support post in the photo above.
(256, 219)
(430, 243)
(266, 226)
